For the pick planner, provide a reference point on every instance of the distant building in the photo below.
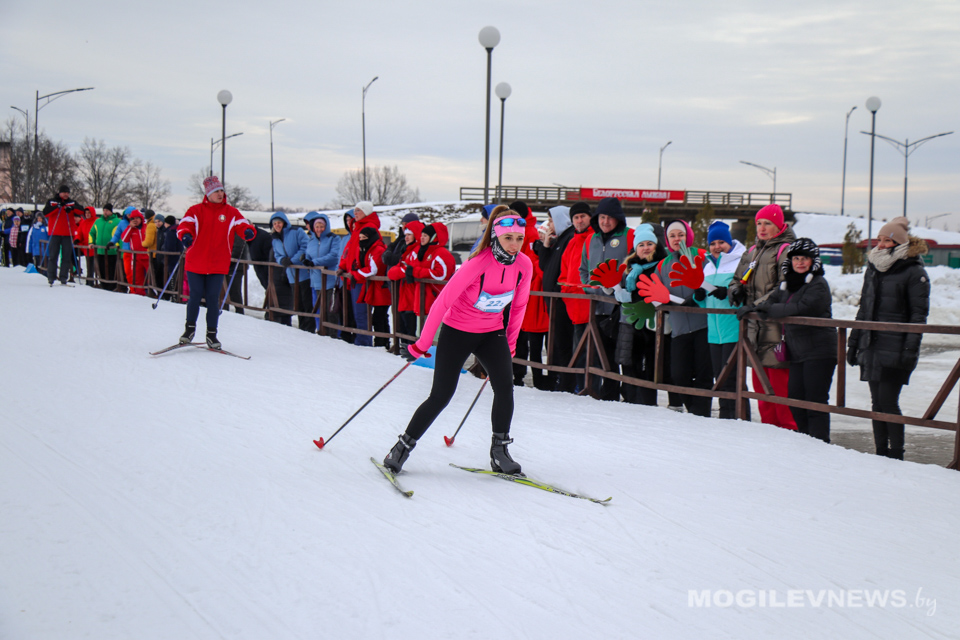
(6, 183)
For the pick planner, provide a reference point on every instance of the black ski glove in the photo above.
(285, 261)
(307, 262)
(409, 277)
(700, 294)
(720, 293)
(852, 354)
(742, 311)
(909, 359)
(737, 296)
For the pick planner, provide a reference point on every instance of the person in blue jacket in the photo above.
(723, 331)
(323, 250)
(36, 235)
(290, 248)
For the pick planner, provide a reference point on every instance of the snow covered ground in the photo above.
(181, 497)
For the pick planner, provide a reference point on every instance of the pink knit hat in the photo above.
(211, 185)
(773, 213)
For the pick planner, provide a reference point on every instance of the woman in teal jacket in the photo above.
(723, 330)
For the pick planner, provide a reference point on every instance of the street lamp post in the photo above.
(906, 148)
(843, 184)
(660, 163)
(873, 105)
(503, 92)
(50, 97)
(926, 221)
(224, 98)
(272, 125)
(489, 38)
(770, 172)
(363, 115)
(216, 143)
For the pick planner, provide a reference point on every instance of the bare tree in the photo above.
(55, 166)
(148, 188)
(385, 185)
(237, 195)
(106, 174)
(17, 184)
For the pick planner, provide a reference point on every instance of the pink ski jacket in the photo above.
(475, 297)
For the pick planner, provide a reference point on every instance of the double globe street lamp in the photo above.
(489, 38)
(224, 98)
(503, 92)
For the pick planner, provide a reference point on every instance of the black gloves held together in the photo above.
(720, 293)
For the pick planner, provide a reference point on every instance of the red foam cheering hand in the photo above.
(608, 274)
(651, 289)
(683, 274)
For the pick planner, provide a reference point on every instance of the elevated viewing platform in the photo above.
(729, 204)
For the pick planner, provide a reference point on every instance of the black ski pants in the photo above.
(453, 348)
(719, 354)
(888, 436)
(207, 287)
(810, 380)
(60, 247)
(690, 366)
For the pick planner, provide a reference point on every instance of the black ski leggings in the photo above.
(453, 348)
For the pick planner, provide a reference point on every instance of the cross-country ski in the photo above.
(530, 482)
(391, 476)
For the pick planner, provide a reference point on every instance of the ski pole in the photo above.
(322, 442)
(224, 302)
(173, 272)
(449, 441)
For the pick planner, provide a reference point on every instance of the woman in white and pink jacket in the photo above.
(470, 308)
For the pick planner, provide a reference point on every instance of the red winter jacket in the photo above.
(59, 215)
(578, 310)
(375, 292)
(536, 319)
(134, 235)
(81, 236)
(407, 300)
(437, 264)
(213, 227)
(349, 259)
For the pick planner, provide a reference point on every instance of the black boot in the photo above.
(188, 333)
(400, 452)
(500, 459)
(212, 341)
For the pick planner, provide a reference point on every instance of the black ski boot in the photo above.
(188, 333)
(500, 460)
(399, 454)
(212, 341)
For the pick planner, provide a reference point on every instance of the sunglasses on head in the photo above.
(509, 222)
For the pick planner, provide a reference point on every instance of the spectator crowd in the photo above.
(579, 249)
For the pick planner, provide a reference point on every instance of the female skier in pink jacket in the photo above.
(471, 307)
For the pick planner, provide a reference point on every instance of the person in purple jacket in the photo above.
(470, 307)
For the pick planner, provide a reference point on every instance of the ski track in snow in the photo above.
(181, 496)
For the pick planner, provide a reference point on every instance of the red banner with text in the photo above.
(638, 195)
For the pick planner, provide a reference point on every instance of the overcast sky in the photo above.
(596, 92)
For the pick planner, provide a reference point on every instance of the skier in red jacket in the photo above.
(135, 263)
(207, 231)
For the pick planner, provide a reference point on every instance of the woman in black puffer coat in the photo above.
(812, 351)
(896, 288)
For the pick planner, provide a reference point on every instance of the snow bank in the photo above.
(181, 497)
